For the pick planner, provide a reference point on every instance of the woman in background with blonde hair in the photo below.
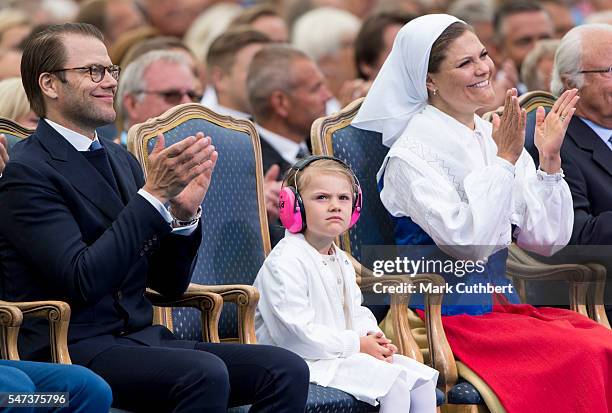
(14, 104)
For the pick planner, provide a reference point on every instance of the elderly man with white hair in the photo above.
(584, 61)
(327, 35)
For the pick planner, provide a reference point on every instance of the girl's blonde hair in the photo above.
(13, 100)
(320, 166)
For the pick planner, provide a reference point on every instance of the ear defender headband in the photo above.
(291, 207)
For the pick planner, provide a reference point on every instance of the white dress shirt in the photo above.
(287, 148)
(224, 110)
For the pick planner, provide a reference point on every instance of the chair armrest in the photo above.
(57, 313)
(589, 290)
(245, 297)
(579, 277)
(596, 307)
(199, 297)
(441, 355)
(10, 320)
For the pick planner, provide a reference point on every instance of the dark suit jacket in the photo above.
(271, 157)
(587, 164)
(66, 235)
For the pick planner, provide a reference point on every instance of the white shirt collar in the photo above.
(603, 133)
(224, 110)
(287, 148)
(332, 106)
(80, 142)
(210, 97)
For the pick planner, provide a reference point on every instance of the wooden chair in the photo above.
(586, 280)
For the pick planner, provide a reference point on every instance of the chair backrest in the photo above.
(364, 152)
(235, 238)
(530, 102)
(13, 131)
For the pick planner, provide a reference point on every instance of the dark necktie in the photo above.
(98, 158)
(95, 145)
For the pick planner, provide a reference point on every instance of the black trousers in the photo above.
(209, 378)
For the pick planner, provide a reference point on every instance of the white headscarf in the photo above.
(399, 90)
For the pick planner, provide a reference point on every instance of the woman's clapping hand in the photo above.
(550, 130)
(509, 130)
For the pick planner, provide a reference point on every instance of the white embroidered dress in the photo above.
(448, 179)
(310, 304)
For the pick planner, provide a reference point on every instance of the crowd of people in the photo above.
(79, 222)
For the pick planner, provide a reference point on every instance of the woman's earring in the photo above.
(435, 92)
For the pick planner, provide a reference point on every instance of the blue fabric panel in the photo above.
(12, 140)
(232, 248)
(440, 397)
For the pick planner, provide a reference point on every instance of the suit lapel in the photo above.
(585, 138)
(78, 171)
(122, 172)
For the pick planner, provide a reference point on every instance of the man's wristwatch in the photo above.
(178, 223)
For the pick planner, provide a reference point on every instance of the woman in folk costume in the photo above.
(453, 179)
(310, 302)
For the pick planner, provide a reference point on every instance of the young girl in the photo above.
(310, 302)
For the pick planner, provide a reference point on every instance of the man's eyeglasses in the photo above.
(607, 70)
(96, 72)
(174, 97)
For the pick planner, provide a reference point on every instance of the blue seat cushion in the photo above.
(440, 398)
(326, 400)
(464, 393)
(330, 400)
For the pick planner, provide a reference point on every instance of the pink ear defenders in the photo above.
(291, 208)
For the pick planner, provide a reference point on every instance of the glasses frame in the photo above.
(608, 70)
(110, 69)
(165, 94)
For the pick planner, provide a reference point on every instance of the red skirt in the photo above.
(537, 359)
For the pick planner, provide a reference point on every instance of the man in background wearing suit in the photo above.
(584, 61)
(287, 93)
(78, 223)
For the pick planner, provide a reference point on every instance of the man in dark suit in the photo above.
(78, 223)
(583, 61)
(287, 93)
(587, 150)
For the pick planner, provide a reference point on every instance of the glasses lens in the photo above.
(96, 72)
(114, 71)
(172, 97)
(196, 98)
